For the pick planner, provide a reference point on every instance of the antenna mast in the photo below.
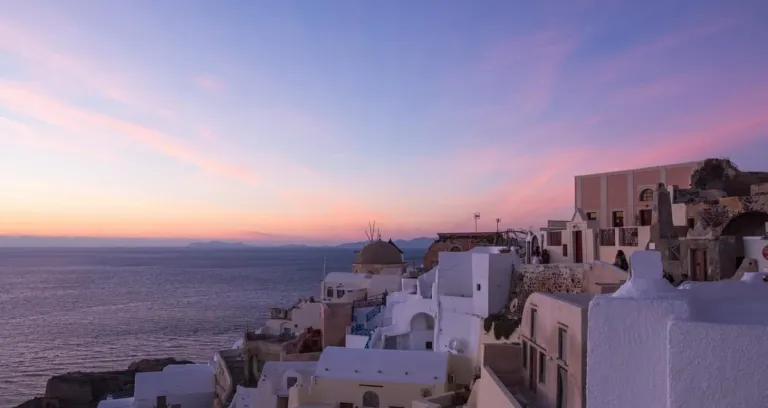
(477, 217)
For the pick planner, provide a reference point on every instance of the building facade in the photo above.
(625, 198)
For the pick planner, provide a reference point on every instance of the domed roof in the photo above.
(379, 253)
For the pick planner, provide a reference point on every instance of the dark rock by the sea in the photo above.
(86, 389)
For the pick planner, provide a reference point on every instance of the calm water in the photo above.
(99, 309)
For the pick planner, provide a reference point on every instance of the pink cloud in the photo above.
(44, 108)
(209, 83)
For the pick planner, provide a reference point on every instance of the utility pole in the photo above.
(477, 217)
(498, 221)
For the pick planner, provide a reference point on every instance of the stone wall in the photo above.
(551, 278)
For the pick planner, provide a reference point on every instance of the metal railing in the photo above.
(628, 236)
(607, 237)
(370, 302)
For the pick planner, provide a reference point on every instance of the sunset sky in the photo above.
(300, 121)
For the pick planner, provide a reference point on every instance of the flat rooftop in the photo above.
(577, 299)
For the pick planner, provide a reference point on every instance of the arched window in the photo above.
(370, 400)
(646, 195)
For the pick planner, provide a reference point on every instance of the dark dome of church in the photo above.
(379, 253)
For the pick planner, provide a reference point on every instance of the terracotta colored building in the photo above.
(625, 198)
(459, 242)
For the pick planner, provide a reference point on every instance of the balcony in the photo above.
(279, 313)
(627, 239)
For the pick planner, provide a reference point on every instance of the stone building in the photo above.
(705, 232)
(460, 242)
(377, 256)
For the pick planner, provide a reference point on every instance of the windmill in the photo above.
(477, 217)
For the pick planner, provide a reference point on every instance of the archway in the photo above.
(422, 321)
(370, 400)
(455, 248)
(422, 333)
(747, 224)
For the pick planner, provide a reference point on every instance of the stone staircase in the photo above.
(234, 362)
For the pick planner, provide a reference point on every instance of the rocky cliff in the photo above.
(86, 389)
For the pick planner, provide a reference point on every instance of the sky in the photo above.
(301, 121)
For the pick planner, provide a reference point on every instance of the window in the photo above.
(533, 324)
(525, 354)
(646, 195)
(339, 293)
(554, 238)
(478, 287)
(161, 401)
(290, 382)
(346, 405)
(370, 400)
(329, 293)
(542, 367)
(618, 218)
(591, 216)
(428, 345)
(691, 223)
(562, 387)
(451, 379)
(561, 337)
(286, 330)
(565, 249)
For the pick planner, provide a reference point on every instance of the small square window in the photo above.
(428, 345)
(478, 287)
(591, 216)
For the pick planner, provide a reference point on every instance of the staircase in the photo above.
(235, 366)
(373, 313)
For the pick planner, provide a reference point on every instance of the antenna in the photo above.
(477, 217)
(325, 274)
(498, 221)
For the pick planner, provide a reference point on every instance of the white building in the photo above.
(702, 345)
(445, 310)
(343, 287)
(276, 379)
(177, 386)
(347, 377)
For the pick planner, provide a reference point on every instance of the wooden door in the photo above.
(646, 217)
(578, 247)
(532, 379)
(698, 264)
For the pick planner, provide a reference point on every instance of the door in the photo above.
(578, 247)
(532, 369)
(698, 264)
(646, 217)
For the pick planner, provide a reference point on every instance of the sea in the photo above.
(94, 309)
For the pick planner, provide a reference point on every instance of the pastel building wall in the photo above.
(603, 194)
(701, 345)
(348, 377)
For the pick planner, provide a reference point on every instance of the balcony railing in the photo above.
(608, 237)
(628, 236)
(372, 301)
